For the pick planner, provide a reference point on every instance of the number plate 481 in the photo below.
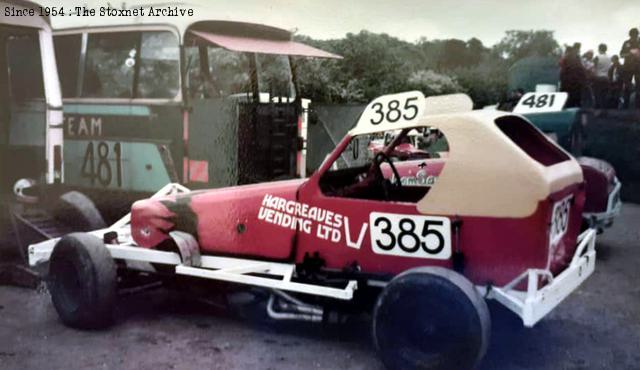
(410, 235)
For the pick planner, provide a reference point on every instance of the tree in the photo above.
(520, 44)
(377, 64)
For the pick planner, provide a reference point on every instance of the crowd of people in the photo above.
(601, 80)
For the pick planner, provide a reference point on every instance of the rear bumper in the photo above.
(535, 303)
(601, 220)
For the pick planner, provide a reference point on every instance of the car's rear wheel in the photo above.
(431, 318)
(83, 281)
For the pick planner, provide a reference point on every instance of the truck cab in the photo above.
(198, 101)
(207, 103)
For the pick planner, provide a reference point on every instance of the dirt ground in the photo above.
(598, 327)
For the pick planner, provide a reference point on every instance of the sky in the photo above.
(588, 21)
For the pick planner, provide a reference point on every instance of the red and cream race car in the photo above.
(499, 223)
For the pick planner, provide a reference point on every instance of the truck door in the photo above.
(270, 137)
(250, 66)
(24, 107)
(268, 141)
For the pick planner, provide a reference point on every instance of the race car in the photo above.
(407, 149)
(501, 222)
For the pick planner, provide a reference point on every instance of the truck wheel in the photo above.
(79, 212)
(431, 318)
(82, 281)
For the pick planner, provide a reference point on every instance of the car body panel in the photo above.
(225, 221)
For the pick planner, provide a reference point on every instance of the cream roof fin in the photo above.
(406, 109)
(447, 104)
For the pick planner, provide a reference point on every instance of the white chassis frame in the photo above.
(614, 205)
(530, 305)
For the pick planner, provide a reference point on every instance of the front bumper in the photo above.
(535, 303)
(602, 220)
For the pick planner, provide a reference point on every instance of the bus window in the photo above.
(68, 58)
(274, 75)
(193, 76)
(110, 65)
(25, 67)
(159, 65)
(230, 72)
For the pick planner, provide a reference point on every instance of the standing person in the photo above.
(589, 68)
(576, 47)
(587, 62)
(615, 83)
(631, 54)
(572, 76)
(601, 65)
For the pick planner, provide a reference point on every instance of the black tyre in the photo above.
(82, 281)
(79, 212)
(431, 318)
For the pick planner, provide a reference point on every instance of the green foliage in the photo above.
(520, 44)
(433, 83)
(377, 64)
(485, 83)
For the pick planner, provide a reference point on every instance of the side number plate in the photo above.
(410, 236)
(560, 220)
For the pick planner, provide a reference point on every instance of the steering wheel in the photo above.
(377, 161)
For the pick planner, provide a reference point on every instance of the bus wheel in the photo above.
(82, 281)
(79, 212)
(431, 318)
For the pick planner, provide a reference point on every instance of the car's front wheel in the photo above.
(83, 281)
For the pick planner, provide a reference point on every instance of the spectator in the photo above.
(576, 47)
(587, 62)
(601, 66)
(589, 68)
(631, 54)
(511, 101)
(615, 75)
(572, 76)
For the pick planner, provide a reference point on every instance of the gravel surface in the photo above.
(598, 327)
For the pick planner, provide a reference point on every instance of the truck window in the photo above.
(230, 72)
(113, 58)
(159, 65)
(274, 75)
(109, 66)
(25, 67)
(67, 49)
